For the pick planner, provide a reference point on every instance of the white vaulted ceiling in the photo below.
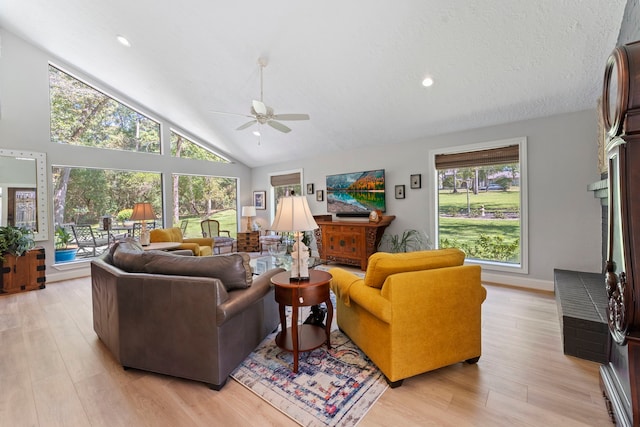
(355, 67)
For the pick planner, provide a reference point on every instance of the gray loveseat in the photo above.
(184, 316)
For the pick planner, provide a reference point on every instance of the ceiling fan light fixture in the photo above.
(256, 133)
(427, 82)
(262, 114)
(123, 40)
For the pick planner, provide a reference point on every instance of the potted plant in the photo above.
(409, 240)
(15, 241)
(22, 264)
(64, 253)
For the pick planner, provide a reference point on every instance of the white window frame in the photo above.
(272, 198)
(196, 142)
(523, 266)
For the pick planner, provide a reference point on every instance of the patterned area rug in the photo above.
(332, 387)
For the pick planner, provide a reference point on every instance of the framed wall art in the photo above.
(399, 191)
(309, 188)
(320, 195)
(260, 199)
(416, 181)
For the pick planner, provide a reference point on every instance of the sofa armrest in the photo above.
(193, 247)
(240, 299)
(372, 301)
(341, 283)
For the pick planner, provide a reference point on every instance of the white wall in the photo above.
(564, 218)
(24, 124)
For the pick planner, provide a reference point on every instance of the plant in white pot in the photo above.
(64, 252)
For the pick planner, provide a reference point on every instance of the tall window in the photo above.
(85, 195)
(82, 115)
(481, 203)
(200, 197)
(181, 146)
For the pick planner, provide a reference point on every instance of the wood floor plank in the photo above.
(61, 374)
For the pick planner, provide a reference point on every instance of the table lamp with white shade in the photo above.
(249, 212)
(143, 212)
(293, 214)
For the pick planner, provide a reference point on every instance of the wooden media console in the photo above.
(350, 242)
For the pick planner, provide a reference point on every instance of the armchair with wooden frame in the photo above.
(211, 228)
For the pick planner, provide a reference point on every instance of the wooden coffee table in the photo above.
(297, 294)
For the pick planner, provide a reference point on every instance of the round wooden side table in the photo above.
(297, 294)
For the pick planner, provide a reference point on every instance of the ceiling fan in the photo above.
(263, 114)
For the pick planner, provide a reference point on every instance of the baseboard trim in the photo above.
(59, 272)
(517, 281)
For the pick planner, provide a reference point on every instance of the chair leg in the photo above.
(393, 384)
(217, 387)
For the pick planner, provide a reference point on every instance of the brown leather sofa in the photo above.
(184, 316)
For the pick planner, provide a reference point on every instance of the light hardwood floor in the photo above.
(55, 372)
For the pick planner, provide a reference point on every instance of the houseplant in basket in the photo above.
(64, 253)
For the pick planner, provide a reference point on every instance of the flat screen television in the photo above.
(356, 193)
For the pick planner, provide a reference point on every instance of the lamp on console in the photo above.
(143, 212)
(249, 212)
(293, 214)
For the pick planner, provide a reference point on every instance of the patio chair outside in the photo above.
(137, 228)
(88, 243)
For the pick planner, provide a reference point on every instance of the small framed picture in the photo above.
(416, 181)
(309, 188)
(260, 199)
(320, 195)
(399, 191)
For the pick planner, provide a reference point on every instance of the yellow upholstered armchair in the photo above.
(200, 246)
(413, 312)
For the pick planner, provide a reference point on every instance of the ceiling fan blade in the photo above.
(246, 125)
(291, 116)
(259, 107)
(278, 126)
(230, 114)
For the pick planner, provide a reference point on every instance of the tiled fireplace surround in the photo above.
(582, 301)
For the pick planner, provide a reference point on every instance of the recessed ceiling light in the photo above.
(428, 81)
(123, 40)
